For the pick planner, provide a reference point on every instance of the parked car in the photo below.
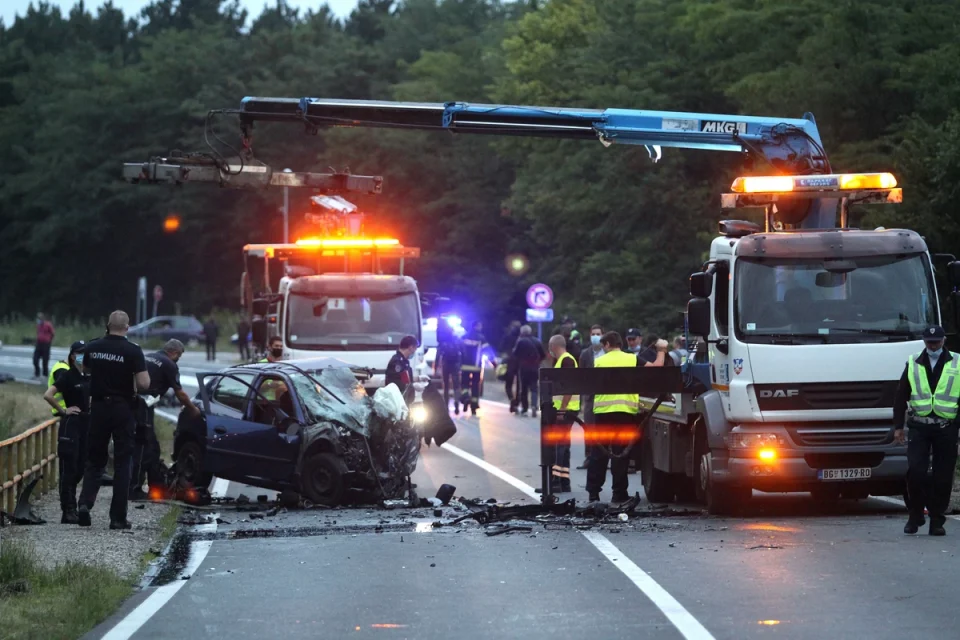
(186, 329)
(308, 427)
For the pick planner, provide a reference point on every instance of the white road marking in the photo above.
(683, 620)
(162, 595)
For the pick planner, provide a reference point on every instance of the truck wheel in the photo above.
(720, 500)
(322, 479)
(190, 466)
(686, 489)
(657, 484)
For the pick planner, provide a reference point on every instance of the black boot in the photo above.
(83, 516)
(70, 517)
(120, 525)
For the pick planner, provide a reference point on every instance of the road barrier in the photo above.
(24, 456)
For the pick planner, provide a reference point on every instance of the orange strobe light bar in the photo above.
(833, 182)
(348, 243)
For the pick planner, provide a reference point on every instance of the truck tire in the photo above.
(322, 479)
(720, 500)
(657, 485)
(686, 489)
(190, 466)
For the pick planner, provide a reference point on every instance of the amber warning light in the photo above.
(834, 182)
(347, 243)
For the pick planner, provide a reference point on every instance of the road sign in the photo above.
(540, 296)
(539, 315)
(157, 292)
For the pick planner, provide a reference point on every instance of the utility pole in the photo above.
(286, 212)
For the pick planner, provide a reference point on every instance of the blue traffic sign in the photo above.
(539, 315)
(539, 296)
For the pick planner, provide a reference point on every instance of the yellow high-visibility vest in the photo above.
(58, 396)
(616, 402)
(574, 404)
(923, 401)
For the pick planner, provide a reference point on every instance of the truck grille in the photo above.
(840, 436)
(843, 460)
(826, 395)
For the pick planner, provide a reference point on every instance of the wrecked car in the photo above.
(309, 429)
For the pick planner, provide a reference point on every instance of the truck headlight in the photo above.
(741, 440)
(418, 414)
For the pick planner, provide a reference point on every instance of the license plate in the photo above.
(844, 474)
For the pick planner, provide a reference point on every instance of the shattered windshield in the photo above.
(320, 406)
(861, 299)
(351, 322)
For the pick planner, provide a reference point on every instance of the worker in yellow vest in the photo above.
(567, 409)
(924, 416)
(615, 417)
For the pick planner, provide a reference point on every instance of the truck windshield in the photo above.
(343, 323)
(870, 299)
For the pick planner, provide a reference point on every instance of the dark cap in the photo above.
(634, 333)
(77, 347)
(934, 333)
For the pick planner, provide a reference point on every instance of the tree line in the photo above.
(613, 234)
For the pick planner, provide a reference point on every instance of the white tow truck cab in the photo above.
(345, 298)
(807, 333)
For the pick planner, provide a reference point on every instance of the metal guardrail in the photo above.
(25, 455)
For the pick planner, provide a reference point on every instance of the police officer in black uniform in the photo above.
(74, 388)
(164, 375)
(399, 371)
(117, 371)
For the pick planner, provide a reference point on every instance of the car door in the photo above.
(224, 405)
(271, 439)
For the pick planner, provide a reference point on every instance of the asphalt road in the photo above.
(788, 568)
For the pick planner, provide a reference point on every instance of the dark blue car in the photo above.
(307, 427)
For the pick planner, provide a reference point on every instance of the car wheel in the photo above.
(190, 466)
(322, 479)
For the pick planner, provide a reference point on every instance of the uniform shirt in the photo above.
(933, 374)
(399, 371)
(74, 387)
(164, 374)
(472, 349)
(112, 362)
(449, 354)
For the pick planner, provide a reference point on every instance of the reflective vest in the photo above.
(943, 403)
(616, 403)
(57, 396)
(574, 404)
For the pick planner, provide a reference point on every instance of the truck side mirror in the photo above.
(701, 284)
(258, 329)
(698, 316)
(953, 273)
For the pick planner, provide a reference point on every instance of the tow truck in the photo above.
(341, 294)
(807, 323)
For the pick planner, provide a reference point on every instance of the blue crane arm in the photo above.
(788, 144)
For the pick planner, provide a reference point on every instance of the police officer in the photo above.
(117, 371)
(616, 413)
(69, 394)
(567, 409)
(164, 375)
(450, 358)
(399, 371)
(926, 405)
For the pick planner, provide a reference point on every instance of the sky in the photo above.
(11, 8)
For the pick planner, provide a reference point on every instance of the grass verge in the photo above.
(168, 526)
(64, 602)
(21, 407)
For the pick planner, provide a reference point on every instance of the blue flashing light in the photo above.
(454, 322)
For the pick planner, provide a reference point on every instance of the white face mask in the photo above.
(934, 354)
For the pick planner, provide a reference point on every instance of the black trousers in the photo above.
(600, 446)
(109, 419)
(470, 379)
(146, 456)
(451, 382)
(512, 384)
(558, 451)
(72, 457)
(211, 349)
(244, 348)
(922, 441)
(529, 389)
(41, 354)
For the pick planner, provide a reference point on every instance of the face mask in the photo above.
(594, 340)
(276, 353)
(79, 361)
(635, 349)
(934, 354)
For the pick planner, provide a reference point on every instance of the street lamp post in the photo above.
(286, 212)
